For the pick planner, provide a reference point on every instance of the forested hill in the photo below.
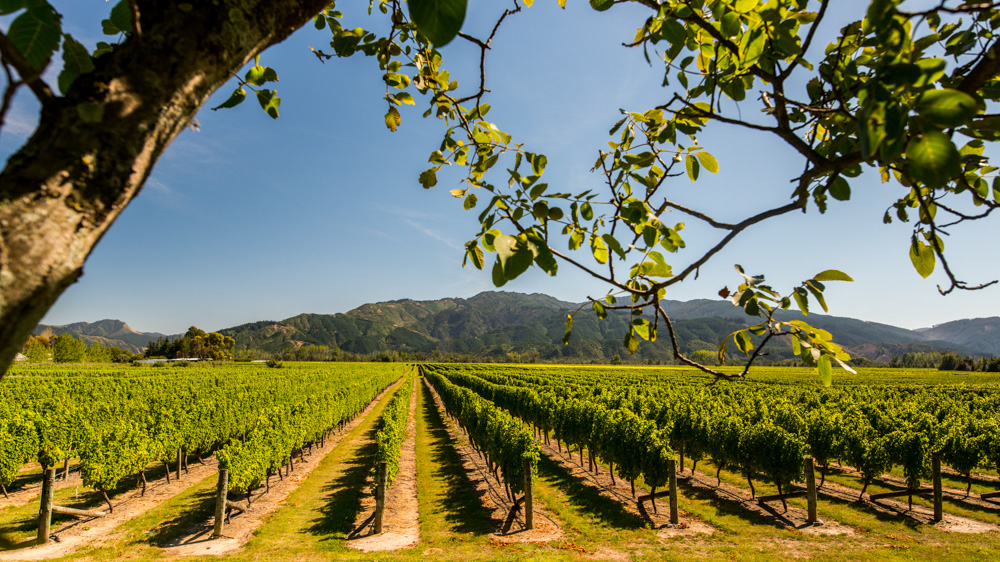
(502, 326)
(494, 324)
(111, 333)
(981, 335)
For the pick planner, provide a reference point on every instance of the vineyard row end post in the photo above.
(810, 491)
(220, 503)
(938, 492)
(529, 502)
(383, 477)
(672, 486)
(45, 512)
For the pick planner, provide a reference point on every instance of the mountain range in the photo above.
(497, 324)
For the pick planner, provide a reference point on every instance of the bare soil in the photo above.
(198, 541)
(95, 531)
(494, 499)
(951, 493)
(400, 520)
(950, 523)
(793, 518)
(621, 492)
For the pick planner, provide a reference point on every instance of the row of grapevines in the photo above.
(117, 421)
(391, 430)
(628, 443)
(503, 440)
(766, 429)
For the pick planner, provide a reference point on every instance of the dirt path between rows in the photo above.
(129, 505)
(955, 494)
(621, 492)
(400, 520)
(950, 523)
(198, 541)
(491, 492)
(792, 518)
(25, 494)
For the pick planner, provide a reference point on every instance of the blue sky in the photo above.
(251, 218)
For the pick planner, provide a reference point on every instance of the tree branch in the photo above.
(29, 75)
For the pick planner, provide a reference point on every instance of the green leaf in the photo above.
(35, 34)
(946, 107)
(569, 329)
(538, 163)
(587, 212)
(825, 370)
(428, 178)
(237, 98)
(475, 253)
(470, 201)
(392, 119)
(121, 16)
(832, 275)
(802, 299)
(708, 161)
(933, 158)
(269, 102)
(692, 166)
(922, 256)
(599, 248)
(10, 6)
(601, 5)
(514, 257)
(840, 189)
(498, 277)
(599, 309)
(255, 76)
(438, 20)
(76, 61)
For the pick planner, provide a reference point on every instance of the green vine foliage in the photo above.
(635, 423)
(118, 420)
(504, 440)
(18, 444)
(391, 430)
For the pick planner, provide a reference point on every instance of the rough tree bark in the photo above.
(95, 147)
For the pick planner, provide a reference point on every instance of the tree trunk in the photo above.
(167, 468)
(104, 494)
(94, 148)
(142, 474)
(4, 490)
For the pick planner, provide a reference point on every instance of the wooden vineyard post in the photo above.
(220, 503)
(672, 486)
(45, 512)
(810, 492)
(529, 501)
(383, 476)
(938, 492)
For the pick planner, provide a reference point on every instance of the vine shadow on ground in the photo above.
(461, 505)
(587, 499)
(344, 494)
(200, 509)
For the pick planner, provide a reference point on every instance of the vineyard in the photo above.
(461, 461)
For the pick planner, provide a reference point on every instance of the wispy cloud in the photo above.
(433, 233)
(21, 121)
(407, 213)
